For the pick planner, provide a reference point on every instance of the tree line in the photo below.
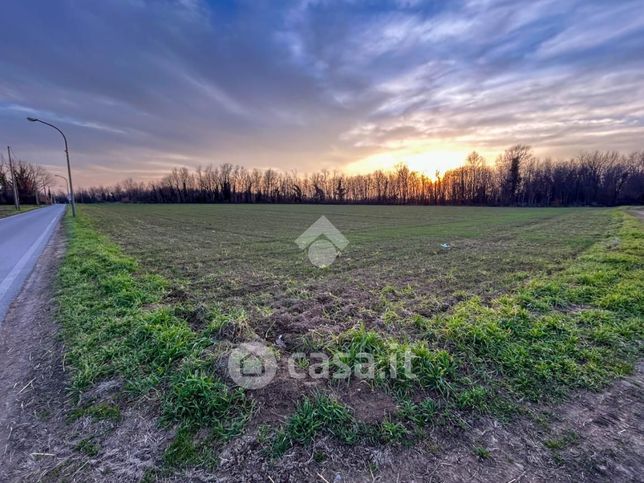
(517, 178)
(33, 182)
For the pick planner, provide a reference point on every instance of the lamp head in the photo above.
(32, 119)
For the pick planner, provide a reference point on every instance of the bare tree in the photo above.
(518, 178)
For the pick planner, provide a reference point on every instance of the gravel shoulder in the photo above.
(32, 375)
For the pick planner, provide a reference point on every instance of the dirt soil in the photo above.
(639, 213)
(592, 437)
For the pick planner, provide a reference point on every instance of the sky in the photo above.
(141, 86)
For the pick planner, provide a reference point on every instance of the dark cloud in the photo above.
(144, 85)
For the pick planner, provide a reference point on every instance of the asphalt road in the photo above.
(22, 240)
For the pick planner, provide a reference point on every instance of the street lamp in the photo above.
(69, 169)
(66, 183)
(16, 198)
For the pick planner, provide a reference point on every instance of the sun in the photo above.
(424, 159)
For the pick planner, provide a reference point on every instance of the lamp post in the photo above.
(69, 169)
(16, 199)
(66, 184)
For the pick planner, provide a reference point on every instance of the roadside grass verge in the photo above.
(116, 326)
(579, 328)
(10, 210)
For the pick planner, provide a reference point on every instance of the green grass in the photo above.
(244, 256)
(115, 328)
(8, 210)
(99, 411)
(187, 450)
(482, 453)
(312, 417)
(566, 440)
(88, 447)
(527, 304)
(323, 414)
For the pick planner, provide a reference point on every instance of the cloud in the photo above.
(139, 86)
(596, 27)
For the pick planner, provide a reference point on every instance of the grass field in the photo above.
(8, 210)
(497, 306)
(394, 266)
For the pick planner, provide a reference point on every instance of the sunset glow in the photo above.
(311, 85)
(424, 159)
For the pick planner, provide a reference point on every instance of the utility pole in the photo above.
(16, 200)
